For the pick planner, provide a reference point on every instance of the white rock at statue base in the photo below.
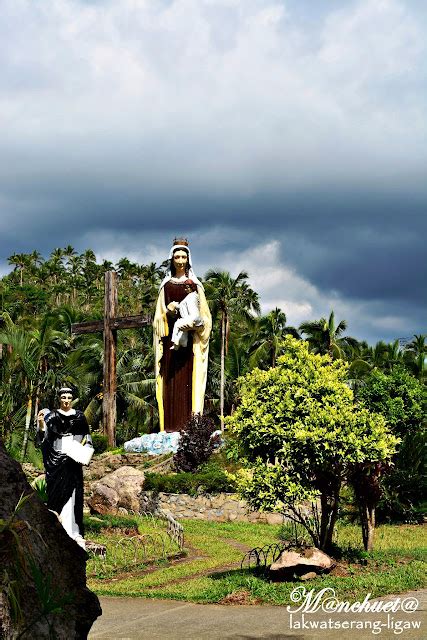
(154, 444)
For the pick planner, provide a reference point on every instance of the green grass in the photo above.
(211, 571)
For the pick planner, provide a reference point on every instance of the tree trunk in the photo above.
(36, 409)
(37, 398)
(332, 522)
(328, 518)
(367, 517)
(109, 401)
(27, 422)
(324, 520)
(221, 391)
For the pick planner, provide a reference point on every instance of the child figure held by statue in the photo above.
(189, 315)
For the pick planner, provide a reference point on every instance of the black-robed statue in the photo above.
(61, 431)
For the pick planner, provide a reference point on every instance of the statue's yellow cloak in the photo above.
(200, 352)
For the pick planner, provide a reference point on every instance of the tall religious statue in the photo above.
(66, 445)
(181, 328)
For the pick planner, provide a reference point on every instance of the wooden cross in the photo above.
(109, 327)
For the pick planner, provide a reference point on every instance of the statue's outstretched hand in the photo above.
(40, 421)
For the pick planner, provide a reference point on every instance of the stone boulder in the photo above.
(292, 564)
(39, 561)
(117, 491)
(107, 462)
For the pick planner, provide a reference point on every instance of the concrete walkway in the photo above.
(141, 619)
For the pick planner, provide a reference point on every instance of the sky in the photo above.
(286, 138)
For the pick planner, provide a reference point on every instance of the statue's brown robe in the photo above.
(180, 375)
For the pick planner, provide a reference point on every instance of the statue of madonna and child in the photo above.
(181, 330)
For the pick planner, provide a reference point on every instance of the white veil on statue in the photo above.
(200, 340)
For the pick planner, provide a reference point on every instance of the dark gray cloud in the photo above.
(291, 128)
(351, 250)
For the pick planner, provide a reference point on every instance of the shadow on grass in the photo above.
(243, 573)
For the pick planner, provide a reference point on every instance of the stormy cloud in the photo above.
(285, 138)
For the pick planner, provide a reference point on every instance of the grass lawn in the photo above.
(210, 570)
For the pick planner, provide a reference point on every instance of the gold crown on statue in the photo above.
(182, 241)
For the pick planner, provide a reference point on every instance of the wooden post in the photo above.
(109, 327)
(109, 408)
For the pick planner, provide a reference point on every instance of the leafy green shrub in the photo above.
(100, 442)
(402, 400)
(399, 397)
(405, 487)
(210, 480)
(196, 445)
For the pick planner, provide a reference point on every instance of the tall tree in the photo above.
(35, 261)
(298, 433)
(55, 266)
(21, 261)
(75, 265)
(229, 297)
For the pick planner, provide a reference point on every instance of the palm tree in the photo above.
(106, 265)
(383, 356)
(21, 261)
(90, 273)
(269, 332)
(135, 381)
(75, 265)
(68, 252)
(35, 261)
(151, 276)
(394, 354)
(55, 267)
(22, 371)
(36, 357)
(325, 337)
(362, 359)
(125, 268)
(229, 297)
(416, 355)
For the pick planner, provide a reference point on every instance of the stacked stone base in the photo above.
(223, 507)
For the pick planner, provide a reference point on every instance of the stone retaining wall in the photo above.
(223, 507)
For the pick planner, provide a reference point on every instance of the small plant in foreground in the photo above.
(40, 487)
(196, 444)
